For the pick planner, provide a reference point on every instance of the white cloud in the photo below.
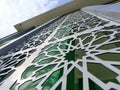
(15, 11)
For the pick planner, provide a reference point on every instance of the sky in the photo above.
(16, 11)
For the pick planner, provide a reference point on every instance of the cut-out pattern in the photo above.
(16, 56)
(82, 44)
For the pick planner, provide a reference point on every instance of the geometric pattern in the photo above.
(17, 55)
(80, 52)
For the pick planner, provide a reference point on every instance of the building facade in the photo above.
(77, 51)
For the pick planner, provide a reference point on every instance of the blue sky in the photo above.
(15, 11)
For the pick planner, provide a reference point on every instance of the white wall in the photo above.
(111, 11)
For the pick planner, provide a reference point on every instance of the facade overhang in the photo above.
(59, 11)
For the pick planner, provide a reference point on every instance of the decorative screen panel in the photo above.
(77, 52)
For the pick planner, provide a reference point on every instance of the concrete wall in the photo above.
(67, 8)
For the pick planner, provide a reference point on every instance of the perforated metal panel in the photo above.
(77, 52)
